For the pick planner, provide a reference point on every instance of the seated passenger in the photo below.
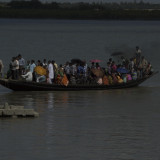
(28, 76)
(61, 70)
(64, 81)
(124, 77)
(134, 75)
(129, 77)
(110, 79)
(115, 80)
(99, 81)
(120, 80)
(41, 78)
(105, 80)
(72, 79)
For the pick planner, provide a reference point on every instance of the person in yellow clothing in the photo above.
(120, 80)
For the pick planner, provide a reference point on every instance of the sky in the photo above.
(90, 1)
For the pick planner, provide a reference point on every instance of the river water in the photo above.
(114, 124)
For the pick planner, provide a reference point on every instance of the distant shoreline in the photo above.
(80, 11)
(81, 15)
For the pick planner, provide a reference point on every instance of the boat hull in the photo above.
(34, 86)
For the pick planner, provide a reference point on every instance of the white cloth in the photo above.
(28, 76)
(51, 71)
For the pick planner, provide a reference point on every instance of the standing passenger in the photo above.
(21, 64)
(1, 68)
(67, 70)
(44, 63)
(32, 66)
(16, 62)
(14, 68)
(51, 72)
(138, 55)
(28, 65)
(144, 64)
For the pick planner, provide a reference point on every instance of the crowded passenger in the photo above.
(79, 72)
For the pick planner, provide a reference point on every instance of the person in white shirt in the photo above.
(51, 72)
(21, 64)
(28, 76)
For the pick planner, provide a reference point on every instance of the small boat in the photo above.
(18, 85)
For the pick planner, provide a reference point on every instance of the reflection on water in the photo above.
(62, 99)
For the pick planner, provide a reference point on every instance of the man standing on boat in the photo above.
(21, 64)
(138, 55)
(1, 68)
(50, 72)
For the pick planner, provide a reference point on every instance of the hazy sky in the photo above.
(150, 1)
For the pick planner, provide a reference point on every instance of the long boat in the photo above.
(17, 85)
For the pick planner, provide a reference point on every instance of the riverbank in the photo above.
(81, 14)
(99, 11)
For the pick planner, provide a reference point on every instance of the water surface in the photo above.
(118, 124)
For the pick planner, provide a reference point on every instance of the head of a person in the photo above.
(97, 65)
(32, 61)
(38, 62)
(19, 56)
(13, 58)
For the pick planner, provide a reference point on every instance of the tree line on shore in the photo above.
(80, 10)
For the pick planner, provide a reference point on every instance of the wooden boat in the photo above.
(18, 85)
